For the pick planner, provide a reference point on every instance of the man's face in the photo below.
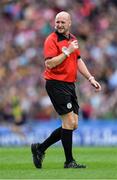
(62, 24)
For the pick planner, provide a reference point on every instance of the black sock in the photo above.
(53, 138)
(66, 138)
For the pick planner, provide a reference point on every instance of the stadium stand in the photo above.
(24, 26)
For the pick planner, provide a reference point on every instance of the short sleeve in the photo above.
(78, 54)
(50, 48)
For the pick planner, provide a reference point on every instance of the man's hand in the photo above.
(95, 83)
(73, 46)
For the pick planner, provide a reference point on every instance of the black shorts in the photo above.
(63, 96)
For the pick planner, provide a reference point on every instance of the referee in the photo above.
(62, 60)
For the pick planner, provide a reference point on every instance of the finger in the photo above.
(74, 41)
(99, 87)
(75, 45)
(96, 85)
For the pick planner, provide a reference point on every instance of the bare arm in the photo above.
(55, 61)
(85, 72)
(83, 69)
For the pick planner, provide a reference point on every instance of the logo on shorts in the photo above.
(69, 105)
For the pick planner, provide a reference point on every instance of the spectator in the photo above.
(24, 26)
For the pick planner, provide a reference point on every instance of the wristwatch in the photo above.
(65, 51)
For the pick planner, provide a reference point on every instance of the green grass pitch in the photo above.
(16, 163)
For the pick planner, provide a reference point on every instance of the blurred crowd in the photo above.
(24, 25)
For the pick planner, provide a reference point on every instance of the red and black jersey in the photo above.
(67, 70)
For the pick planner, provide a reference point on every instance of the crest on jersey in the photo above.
(69, 105)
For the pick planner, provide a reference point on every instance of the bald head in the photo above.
(63, 14)
(63, 22)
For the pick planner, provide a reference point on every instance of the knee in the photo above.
(70, 121)
(72, 125)
(69, 125)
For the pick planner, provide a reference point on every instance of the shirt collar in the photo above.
(61, 37)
